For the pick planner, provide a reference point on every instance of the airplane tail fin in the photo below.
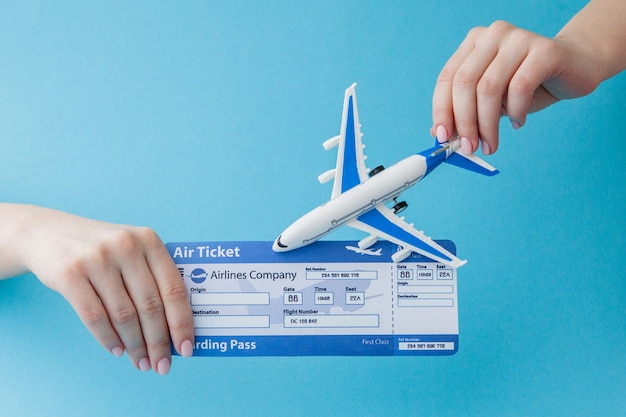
(472, 163)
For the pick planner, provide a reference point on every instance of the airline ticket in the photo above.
(330, 298)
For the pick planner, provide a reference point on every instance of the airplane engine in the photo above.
(401, 255)
(327, 176)
(368, 241)
(331, 143)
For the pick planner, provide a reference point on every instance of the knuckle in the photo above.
(175, 292)
(93, 315)
(464, 79)
(499, 27)
(72, 270)
(544, 47)
(82, 260)
(148, 233)
(475, 33)
(151, 306)
(123, 241)
(446, 76)
(148, 236)
(135, 240)
(521, 86)
(124, 316)
(488, 87)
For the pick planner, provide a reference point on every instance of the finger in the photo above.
(145, 296)
(464, 93)
(174, 295)
(121, 309)
(82, 297)
(442, 105)
(523, 87)
(491, 92)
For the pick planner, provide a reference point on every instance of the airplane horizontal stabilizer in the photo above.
(471, 163)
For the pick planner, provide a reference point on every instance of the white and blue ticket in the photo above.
(330, 298)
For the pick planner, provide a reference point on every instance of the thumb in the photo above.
(541, 99)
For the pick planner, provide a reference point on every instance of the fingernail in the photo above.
(144, 365)
(186, 349)
(516, 125)
(442, 134)
(466, 146)
(485, 148)
(163, 367)
(117, 351)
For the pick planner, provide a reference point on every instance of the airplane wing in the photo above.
(350, 169)
(384, 223)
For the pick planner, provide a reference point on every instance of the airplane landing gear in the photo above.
(376, 170)
(399, 207)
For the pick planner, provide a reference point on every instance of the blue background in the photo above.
(204, 121)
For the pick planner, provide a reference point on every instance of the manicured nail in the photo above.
(466, 146)
(485, 148)
(163, 367)
(516, 125)
(186, 349)
(442, 134)
(117, 351)
(144, 365)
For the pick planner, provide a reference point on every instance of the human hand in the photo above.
(119, 279)
(502, 70)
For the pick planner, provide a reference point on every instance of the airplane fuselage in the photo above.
(377, 190)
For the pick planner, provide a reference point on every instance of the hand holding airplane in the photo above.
(359, 195)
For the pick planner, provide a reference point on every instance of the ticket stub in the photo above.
(328, 298)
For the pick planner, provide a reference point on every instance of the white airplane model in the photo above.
(359, 195)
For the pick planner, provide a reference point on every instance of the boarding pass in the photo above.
(331, 298)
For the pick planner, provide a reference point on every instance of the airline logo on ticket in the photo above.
(329, 298)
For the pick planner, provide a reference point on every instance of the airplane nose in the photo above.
(278, 246)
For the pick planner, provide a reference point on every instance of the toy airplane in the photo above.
(359, 195)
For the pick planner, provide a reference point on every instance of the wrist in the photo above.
(15, 222)
(599, 34)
